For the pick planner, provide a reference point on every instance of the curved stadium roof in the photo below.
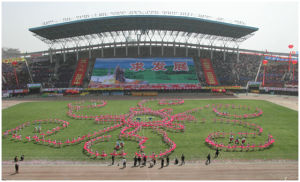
(142, 22)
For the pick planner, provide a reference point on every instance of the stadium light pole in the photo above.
(28, 70)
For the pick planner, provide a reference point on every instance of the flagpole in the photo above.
(289, 61)
(264, 75)
(291, 46)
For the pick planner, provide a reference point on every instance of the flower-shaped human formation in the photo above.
(130, 124)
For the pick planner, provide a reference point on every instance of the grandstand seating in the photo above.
(226, 71)
(277, 74)
(199, 71)
(9, 79)
(41, 71)
(65, 71)
(247, 68)
(89, 70)
(233, 72)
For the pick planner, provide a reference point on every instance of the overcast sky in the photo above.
(277, 20)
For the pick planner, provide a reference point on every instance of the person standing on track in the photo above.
(217, 153)
(124, 162)
(151, 163)
(139, 160)
(134, 161)
(16, 164)
(144, 160)
(167, 160)
(154, 159)
(112, 160)
(208, 160)
(176, 161)
(162, 162)
(182, 159)
(17, 167)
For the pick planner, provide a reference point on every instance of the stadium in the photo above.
(155, 86)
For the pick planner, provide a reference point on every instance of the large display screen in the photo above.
(143, 71)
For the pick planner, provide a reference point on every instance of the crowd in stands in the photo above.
(247, 68)
(200, 73)
(290, 78)
(53, 75)
(229, 71)
(64, 76)
(9, 81)
(232, 72)
(42, 71)
(89, 73)
(65, 72)
(277, 74)
(224, 70)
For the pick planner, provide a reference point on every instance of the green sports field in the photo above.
(280, 122)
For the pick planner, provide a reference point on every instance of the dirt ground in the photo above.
(277, 170)
(9, 103)
(217, 170)
(286, 101)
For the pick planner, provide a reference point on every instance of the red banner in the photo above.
(209, 73)
(80, 72)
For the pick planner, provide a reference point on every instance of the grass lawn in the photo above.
(279, 121)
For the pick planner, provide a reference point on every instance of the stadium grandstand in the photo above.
(155, 53)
